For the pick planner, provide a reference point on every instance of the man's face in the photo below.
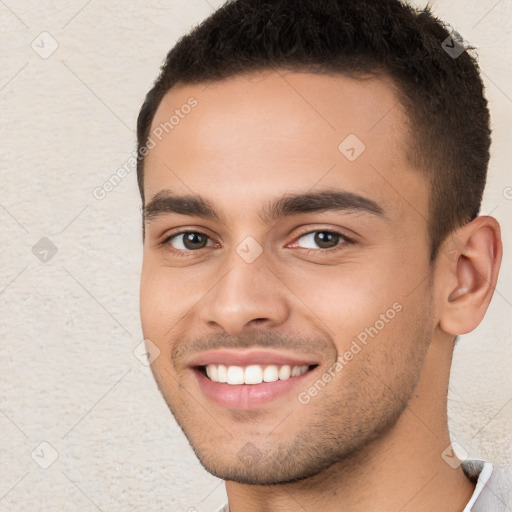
(343, 293)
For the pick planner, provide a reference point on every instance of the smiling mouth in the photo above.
(252, 374)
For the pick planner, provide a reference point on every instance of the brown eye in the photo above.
(188, 241)
(322, 239)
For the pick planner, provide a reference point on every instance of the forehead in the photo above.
(266, 133)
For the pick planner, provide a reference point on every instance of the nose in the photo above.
(248, 294)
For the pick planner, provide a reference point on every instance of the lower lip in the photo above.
(247, 396)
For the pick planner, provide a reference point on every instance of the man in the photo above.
(311, 175)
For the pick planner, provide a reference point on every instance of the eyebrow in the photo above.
(166, 201)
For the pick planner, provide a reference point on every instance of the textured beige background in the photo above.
(68, 376)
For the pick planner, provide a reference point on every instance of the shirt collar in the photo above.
(479, 472)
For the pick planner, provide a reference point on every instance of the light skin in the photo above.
(373, 438)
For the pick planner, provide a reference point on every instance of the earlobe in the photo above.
(474, 268)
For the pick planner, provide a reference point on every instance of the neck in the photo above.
(402, 470)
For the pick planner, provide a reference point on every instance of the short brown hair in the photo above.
(442, 92)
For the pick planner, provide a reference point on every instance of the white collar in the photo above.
(482, 497)
(483, 471)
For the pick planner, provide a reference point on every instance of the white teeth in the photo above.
(253, 374)
(212, 372)
(285, 372)
(271, 373)
(222, 373)
(235, 375)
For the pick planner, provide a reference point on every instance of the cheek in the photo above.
(350, 298)
(148, 292)
(341, 291)
(159, 301)
(168, 298)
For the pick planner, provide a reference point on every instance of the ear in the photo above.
(468, 274)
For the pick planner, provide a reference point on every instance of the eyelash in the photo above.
(186, 254)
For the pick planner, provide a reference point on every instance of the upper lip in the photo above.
(247, 357)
